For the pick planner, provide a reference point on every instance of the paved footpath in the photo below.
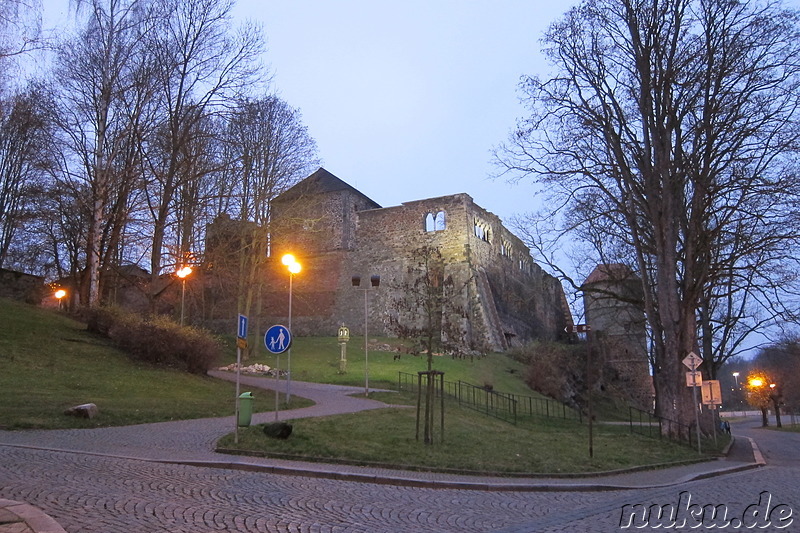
(156, 477)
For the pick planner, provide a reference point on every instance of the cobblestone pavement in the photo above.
(95, 490)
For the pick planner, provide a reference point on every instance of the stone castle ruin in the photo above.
(502, 299)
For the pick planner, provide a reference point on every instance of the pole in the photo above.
(366, 348)
(277, 384)
(236, 410)
(589, 391)
(183, 297)
(289, 356)
(696, 409)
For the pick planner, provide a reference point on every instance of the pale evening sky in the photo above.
(404, 99)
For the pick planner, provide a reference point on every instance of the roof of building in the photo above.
(611, 272)
(321, 182)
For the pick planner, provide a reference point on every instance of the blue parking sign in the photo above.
(277, 339)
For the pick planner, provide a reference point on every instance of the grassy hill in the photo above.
(49, 362)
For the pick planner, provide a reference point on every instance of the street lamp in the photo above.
(59, 294)
(183, 273)
(375, 281)
(294, 268)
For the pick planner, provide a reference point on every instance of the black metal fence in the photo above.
(650, 425)
(500, 405)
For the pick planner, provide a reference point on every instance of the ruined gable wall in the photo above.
(506, 300)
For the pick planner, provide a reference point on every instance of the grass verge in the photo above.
(472, 443)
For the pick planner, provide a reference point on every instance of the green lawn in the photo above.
(317, 359)
(49, 363)
(472, 442)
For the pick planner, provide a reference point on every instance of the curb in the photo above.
(486, 485)
(21, 517)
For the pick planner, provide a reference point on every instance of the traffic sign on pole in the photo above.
(277, 339)
(692, 361)
(241, 331)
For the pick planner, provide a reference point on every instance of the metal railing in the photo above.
(500, 405)
(651, 425)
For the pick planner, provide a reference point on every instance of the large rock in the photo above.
(86, 410)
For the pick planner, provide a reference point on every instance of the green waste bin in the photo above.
(245, 408)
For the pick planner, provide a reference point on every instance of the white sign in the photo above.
(692, 361)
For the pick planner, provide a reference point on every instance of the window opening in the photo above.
(481, 230)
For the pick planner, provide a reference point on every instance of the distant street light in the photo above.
(375, 281)
(294, 268)
(183, 273)
(739, 393)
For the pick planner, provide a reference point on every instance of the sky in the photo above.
(406, 99)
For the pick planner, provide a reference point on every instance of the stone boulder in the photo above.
(86, 410)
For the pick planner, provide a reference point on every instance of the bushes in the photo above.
(555, 370)
(157, 340)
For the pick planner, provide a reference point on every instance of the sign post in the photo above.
(692, 361)
(586, 328)
(241, 343)
(712, 397)
(277, 340)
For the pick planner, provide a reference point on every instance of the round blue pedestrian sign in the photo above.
(277, 339)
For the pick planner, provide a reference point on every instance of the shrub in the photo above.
(157, 340)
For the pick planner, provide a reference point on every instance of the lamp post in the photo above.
(294, 268)
(738, 392)
(183, 273)
(375, 281)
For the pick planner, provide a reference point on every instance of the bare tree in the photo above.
(426, 313)
(20, 29)
(25, 135)
(98, 72)
(670, 127)
(201, 66)
(270, 150)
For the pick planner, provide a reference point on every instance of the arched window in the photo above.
(435, 222)
(481, 230)
(505, 249)
(430, 223)
(439, 221)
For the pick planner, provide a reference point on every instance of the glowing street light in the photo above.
(755, 382)
(59, 294)
(294, 268)
(183, 273)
